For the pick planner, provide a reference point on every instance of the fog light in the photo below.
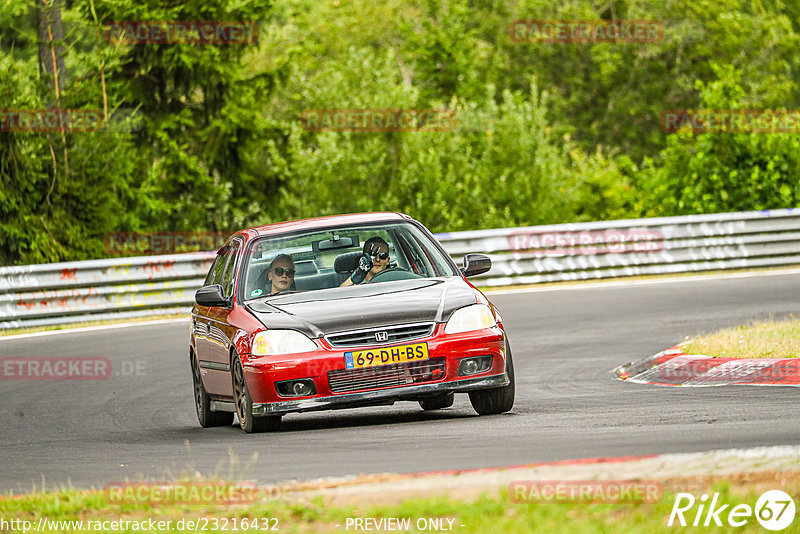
(301, 388)
(296, 388)
(471, 366)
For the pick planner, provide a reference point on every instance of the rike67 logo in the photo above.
(774, 510)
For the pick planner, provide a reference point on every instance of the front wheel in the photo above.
(202, 402)
(496, 400)
(244, 404)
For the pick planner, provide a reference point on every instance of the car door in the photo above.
(212, 332)
(200, 320)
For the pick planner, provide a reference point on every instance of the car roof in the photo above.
(325, 222)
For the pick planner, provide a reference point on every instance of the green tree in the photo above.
(59, 192)
(725, 171)
(196, 102)
(188, 166)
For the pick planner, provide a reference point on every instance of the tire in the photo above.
(438, 402)
(244, 403)
(496, 400)
(202, 402)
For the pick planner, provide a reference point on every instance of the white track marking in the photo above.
(94, 328)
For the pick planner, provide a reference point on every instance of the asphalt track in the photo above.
(565, 344)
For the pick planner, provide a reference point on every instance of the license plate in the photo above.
(385, 356)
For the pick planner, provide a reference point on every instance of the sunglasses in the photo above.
(280, 271)
(381, 255)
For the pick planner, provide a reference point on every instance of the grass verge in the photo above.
(765, 339)
(491, 512)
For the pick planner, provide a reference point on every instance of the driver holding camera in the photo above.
(374, 260)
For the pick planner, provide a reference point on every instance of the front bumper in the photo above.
(365, 398)
(262, 373)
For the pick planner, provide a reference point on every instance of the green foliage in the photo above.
(58, 196)
(499, 166)
(612, 94)
(196, 101)
(178, 171)
(719, 172)
(502, 165)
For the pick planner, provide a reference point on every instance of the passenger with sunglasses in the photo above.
(281, 274)
(374, 259)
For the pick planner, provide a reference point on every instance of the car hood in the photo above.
(327, 311)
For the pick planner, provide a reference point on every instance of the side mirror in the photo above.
(476, 264)
(210, 296)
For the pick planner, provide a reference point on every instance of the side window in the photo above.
(215, 273)
(228, 272)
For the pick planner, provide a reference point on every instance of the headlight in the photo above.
(273, 342)
(475, 317)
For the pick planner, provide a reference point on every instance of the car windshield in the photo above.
(323, 259)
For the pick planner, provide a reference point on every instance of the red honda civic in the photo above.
(343, 312)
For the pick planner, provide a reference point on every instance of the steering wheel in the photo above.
(393, 273)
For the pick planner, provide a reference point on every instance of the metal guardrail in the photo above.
(118, 288)
(633, 247)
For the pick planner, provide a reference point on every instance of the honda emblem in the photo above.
(381, 336)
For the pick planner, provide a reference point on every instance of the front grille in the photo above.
(366, 337)
(397, 374)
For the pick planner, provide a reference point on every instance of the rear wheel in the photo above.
(496, 400)
(244, 404)
(202, 402)
(438, 402)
